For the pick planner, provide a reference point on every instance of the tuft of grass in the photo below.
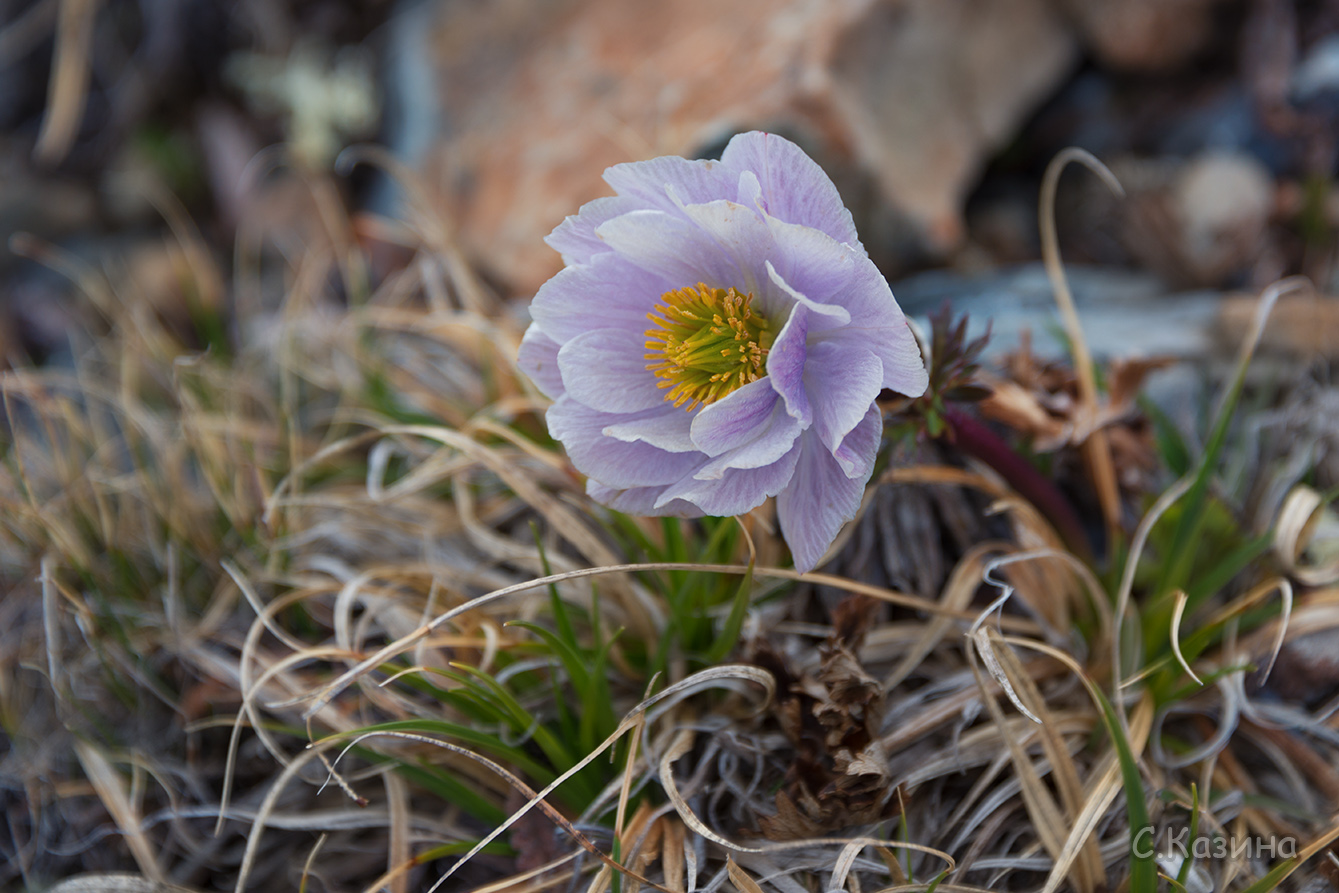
(321, 551)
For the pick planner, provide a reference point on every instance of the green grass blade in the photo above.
(729, 636)
(482, 740)
(573, 662)
(1143, 870)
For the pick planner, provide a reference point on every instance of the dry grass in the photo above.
(263, 605)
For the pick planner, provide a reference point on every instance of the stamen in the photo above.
(707, 343)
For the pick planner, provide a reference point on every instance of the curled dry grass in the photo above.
(264, 610)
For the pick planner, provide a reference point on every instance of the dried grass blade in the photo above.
(1143, 870)
(1096, 449)
(323, 697)
(957, 595)
(1281, 872)
(672, 856)
(1063, 771)
(116, 882)
(397, 850)
(107, 782)
(1046, 815)
(68, 87)
(1292, 531)
(665, 699)
(740, 878)
(1177, 610)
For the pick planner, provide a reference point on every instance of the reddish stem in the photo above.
(977, 440)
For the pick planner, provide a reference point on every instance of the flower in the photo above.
(718, 336)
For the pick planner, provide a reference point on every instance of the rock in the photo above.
(929, 89)
(1144, 36)
(1197, 223)
(1123, 313)
(1223, 201)
(1318, 74)
(537, 99)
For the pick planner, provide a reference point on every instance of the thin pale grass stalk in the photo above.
(1047, 817)
(683, 743)
(1123, 594)
(1177, 610)
(267, 806)
(956, 596)
(643, 712)
(1046, 589)
(516, 883)
(740, 878)
(434, 228)
(311, 860)
(249, 691)
(1292, 532)
(67, 90)
(397, 849)
(51, 628)
(1102, 787)
(116, 882)
(1088, 867)
(1095, 447)
(1135, 745)
(121, 807)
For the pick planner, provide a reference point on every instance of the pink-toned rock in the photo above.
(1145, 36)
(539, 98)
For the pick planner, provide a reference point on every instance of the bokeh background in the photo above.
(936, 118)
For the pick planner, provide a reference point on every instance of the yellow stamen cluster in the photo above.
(707, 342)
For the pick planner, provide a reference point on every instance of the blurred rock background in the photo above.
(935, 117)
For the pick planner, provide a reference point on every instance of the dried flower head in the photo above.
(719, 336)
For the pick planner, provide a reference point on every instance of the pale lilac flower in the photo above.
(717, 337)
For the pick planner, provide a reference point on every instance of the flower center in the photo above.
(707, 342)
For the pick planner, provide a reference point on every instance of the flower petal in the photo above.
(691, 181)
(675, 249)
(773, 441)
(609, 292)
(537, 357)
(896, 347)
(842, 382)
(669, 430)
(735, 419)
(640, 501)
(575, 237)
(828, 315)
(819, 500)
(792, 185)
(741, 234)
(785, 365)
(615, 463)
(831, 273)
(738, 491)
(860, 448)
(606, 370)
